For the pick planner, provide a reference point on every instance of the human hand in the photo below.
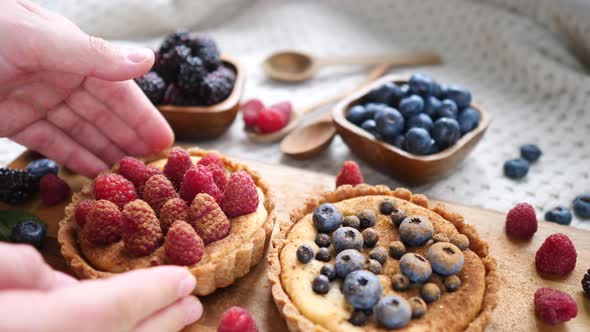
(70, 96)
(34, 297)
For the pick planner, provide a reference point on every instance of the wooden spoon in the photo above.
(294, 66)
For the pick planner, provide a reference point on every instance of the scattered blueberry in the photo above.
(329, 271)
(371, 127)
(388, 93)
(430, 292)
(367, 218)
(386, 206)
(393, 312)
(411, 105)
(323, 240)
(370, 237)
(458, 94)
(418, 307)
(304, 253)
(460, 240)
(452, 283)
(530, 152)
(440, 237)
(327, 218)
(418, 141)
(415, 231)
(446, 132)
(357, 114)
(431, 104)
(347, 238)
(397, 249)
(379, 254)
(347, 261)
(399, 141)
(373, 266)
(389, 123)
(359, 318)
(421, 120)
(29, 231)
(397, 216)
(446, 259)
(321, 284)
(421, 84)
(41, 167)
(582, 206)
(351, 221)
(323, 255)
(447, 109)
(468, 120)
(516, 168)
(415, 267)
(400, 282)
(362, 289)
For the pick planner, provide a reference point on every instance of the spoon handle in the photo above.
(395, 60)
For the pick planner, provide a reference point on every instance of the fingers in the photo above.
(24, 268)
(173, 318)
(63, 280)
(45, 138)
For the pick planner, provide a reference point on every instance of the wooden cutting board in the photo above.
(515, 311)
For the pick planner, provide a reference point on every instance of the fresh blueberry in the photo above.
(415, 267)
(582, 206)
(323, 255)
(389, 122)
(370, 237)
(304, 253)
(458, 94)
(415, 231)
(373, 108)
(388, 93)
(516, 168)
(386, 206)
(367, 218)
(393, 312)
(421, 84)
(430, 292)
(530, 152)
(446, 258)
(362, 289)
(29, 231)
(405, 89)
(468, 120)
(327, 218)
(347, 261)
(321, 284)
(329, 271)
(379, 254)
(399, 141)
(357, 114)
(347, 238)
(560, 215)
(41, 167)
(371, 127)
(323, 240)
(411, 105)
(446, 132)
(452, 283)
(418, 141)
(447, 109)
(434, 148)
(431, 104)
(421, 120)
(437, 89)
(360, 317)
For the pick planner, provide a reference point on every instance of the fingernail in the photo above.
(187, 285)
(138, 55)
(194, 309)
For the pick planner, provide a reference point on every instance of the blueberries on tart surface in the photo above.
(582, 206)
(560, 215)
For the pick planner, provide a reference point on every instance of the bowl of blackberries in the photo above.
(195, 87)
(413, 128)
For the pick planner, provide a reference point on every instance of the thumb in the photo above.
(24, 268)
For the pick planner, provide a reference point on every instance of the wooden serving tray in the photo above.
(515, 311)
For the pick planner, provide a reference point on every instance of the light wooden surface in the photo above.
(515, 312)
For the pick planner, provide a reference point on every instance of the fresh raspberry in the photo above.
(199, 179)
(178, 163)
(183, 245)
(285, 108)
(53, 189)
(554, 307)
(237, 319)
(250, 110)
(219, 176)
(82, 210)
(103, 223)
(241, 195)
(157, 190)
(141, 231)
(133, 170)
(115, 188)
(521, 221)
(557, 255)
(349, 174)
(149, 172)
(208, 219)
(174, 209)
(270, 120)
(211, 158)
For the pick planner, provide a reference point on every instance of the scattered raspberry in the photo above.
(557, 255)
(211, 158)
(586, 283)
(157, 190)
(199, 179)
(174, 209)
(521, 221)
(349, 174)
(178, 163)
(237, 319)
(53, 189)
(554, 307)
(115, 188)
(82, 210)
(218, 176)
(270, 120)
(250, 110)
(133, 170)
(241, 195)
(141, 231)
(285, 108)
(208, 219)
(183, 245)
(103, 223)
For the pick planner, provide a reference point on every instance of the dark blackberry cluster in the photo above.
(16, 186)
(586, 283)
(191, 70)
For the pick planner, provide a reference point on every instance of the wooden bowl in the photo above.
(207, 122)
(406, 167)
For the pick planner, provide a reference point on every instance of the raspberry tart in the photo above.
(368, 258)
(193, 208)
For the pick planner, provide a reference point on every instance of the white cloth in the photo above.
(513, 55)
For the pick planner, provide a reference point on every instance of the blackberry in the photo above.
(16, 186)
(192, 72)
(586, 283)
(169, 63)
(174, 39)
(206, 49)
(217, 86)
(153, 86)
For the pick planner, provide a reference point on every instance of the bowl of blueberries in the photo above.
(412, 128)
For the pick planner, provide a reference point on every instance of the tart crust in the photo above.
(296, 321)
(211, 275)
